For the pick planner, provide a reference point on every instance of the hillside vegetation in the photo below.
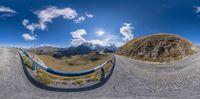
(73, 59)
(76, 62)
(158, 48)
(70, 64)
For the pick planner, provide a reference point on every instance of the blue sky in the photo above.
(97, 21)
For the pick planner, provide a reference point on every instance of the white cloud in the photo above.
(78, 33)
(53, 12)
(79, 19)
(77, 36)
(98, 42)
(47, 15)
(31, 26)
(78, 39)
(6, 9)
(77, 42)
(105, 42)
(89, 15)
(126, 31)
(28, 37)
(197, 9)
(83, 18)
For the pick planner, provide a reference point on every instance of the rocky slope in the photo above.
(158, 48)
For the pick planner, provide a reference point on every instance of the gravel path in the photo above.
(130, 79)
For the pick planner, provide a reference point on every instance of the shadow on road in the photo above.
(38, 84)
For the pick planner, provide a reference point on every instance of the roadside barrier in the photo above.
(37, 64)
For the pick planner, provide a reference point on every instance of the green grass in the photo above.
(28, 62)
(80, 82)
(43, 77)
(74, 63)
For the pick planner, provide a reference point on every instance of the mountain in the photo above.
(47, 50)
(158, 48)
(81, 49)
(84, 48)
(110, 49)
(106, 49)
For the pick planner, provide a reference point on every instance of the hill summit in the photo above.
(158, 48)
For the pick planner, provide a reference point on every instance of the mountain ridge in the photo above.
(84, 48)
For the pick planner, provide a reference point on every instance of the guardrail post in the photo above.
(102, 74)
(111, 61)
(35, 67)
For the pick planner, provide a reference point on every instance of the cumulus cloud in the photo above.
(78, 39)
(77, 36)
(53, 12)
(32, 26)
(99, 42)
(47, 15)
(83, 18)
(6, 11)
(28, 37)
(89, 15)
(79, 19)
(126, 31)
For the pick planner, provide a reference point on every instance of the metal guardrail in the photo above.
(62, 73)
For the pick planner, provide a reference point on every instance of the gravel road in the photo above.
(130, 79)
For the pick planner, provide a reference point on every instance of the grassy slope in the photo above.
(70, 64)
(143, 48)
(74, 63)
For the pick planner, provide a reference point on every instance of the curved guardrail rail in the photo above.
(62, 73)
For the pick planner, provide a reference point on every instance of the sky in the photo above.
(65, 23)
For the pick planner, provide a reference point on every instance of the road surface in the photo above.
(130, 79)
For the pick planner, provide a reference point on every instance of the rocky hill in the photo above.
(158, 48)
